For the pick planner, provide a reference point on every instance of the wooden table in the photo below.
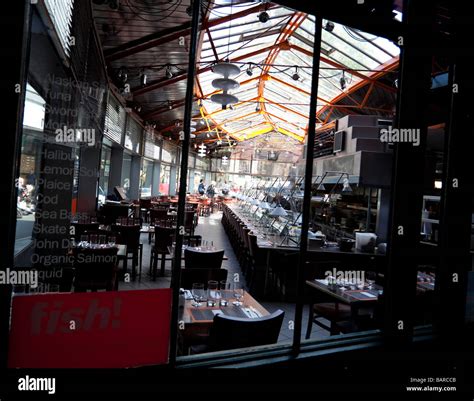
(195, 329)
(195, 249)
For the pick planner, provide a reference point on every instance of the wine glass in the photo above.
(84, 240)
(213, 292)
(238, 293)
(112, 240)
(371, 279)
(102, 240)
(197, 292)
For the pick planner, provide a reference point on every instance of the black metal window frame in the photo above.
(398, 283)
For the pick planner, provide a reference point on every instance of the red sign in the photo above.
(113, 329)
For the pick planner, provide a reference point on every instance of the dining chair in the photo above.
(163, 240)
(145, 206)
(130, 236)
(198, 259)
(233, 332)
(204, 275)
(95, 269)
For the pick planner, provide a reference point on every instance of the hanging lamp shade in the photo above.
(226, 69)
(225, 83)
(278, 212)
(224, 98)
(264, 205)
(254, 202)
(321, 187)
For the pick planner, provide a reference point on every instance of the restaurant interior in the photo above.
(237, 180)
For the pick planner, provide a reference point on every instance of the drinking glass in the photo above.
(238, 293)
(112, 240)
(213, 292)
(198, 293)
(93, 219)
(370, 276)
(84, 240)
(102, 239)
(93, 239)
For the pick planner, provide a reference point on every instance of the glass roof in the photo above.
(275, 59)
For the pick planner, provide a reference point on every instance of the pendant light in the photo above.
(227, 70)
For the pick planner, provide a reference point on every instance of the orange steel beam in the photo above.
(366, 97)
(286, 108)
(273, 78)
(295, 21)
(369, 78)
(231, 120)
(328, 115)
(159, 83)
(384, 68)
(215, 123)
(282, 119)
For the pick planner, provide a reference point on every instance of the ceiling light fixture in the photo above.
(202, 150)
(296, 76)
(168, 72)
(263, 17)
(342, 81)
(250, 70)
(143, 79)
(329, 26)
(227, 70)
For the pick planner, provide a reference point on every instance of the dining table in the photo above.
(349, 293)
(195, 322)
(203, 249)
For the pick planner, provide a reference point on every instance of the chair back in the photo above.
(196, 259)
(158, 214)
(163, 238)
(191, 276)
(145, 203)
(233, 332)
(95, 268)
(189, 219)
(129, 235)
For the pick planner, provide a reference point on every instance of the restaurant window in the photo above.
(168, 153)
(30, 165)
(152, 146)
(104, 173)
(114, 120)
(133, 135)
(165, 176)
(126, 171)
(60, 13)
(146, 178)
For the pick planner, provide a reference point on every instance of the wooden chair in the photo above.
(195, 259)
(232, 332)
(163, 240)
(95, 269)
(130, 236)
